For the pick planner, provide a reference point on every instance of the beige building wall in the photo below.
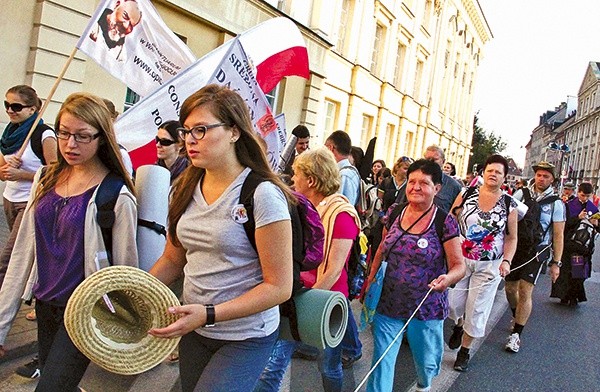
(360, 81)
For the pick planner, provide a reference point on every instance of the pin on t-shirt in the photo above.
(239, 213)
(422, 243)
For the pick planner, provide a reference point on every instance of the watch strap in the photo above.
(210, 315)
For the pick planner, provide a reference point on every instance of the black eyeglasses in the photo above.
(164, 142)
(79, 138)
(15, 107)
(198, 131)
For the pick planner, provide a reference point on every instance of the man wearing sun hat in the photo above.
(521, 281)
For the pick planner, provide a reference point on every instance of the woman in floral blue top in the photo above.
(488, 224)
(418, 259)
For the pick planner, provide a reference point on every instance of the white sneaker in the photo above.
(514, 343)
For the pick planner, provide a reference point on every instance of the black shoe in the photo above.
(462, 362)
(347, 362)
(30, 370)
(455, 338)
(309, 356)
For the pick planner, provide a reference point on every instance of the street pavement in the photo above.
(559, 353)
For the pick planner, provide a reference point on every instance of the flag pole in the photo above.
(46, 102)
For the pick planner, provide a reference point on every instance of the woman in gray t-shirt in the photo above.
(229, 319)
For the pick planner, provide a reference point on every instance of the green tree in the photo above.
(484, 144)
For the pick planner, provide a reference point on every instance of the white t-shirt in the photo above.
(19, 191)
(221, 262)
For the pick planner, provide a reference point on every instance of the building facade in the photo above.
(403, 71)
(569, 137)
(583, 134)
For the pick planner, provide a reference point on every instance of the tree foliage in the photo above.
(483, 145)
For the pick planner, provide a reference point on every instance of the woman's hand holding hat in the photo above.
(191, 317)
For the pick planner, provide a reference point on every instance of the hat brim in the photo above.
(121, 344)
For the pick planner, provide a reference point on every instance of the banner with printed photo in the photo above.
(137, 127)
(129, 39)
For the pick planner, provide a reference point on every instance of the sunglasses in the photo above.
(15, 107)
(406, 159)
(164, 142)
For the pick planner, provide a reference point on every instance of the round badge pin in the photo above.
(239, 213)
(422, 243)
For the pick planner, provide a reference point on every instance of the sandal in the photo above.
(173, 357)
(31, 316)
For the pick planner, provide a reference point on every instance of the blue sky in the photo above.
(538, 57)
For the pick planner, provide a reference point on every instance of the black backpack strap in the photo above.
(247, 199)
(106, 198)
(439, 221)
(470, 191)
(36, 141)
(154, 226)
(394, 215)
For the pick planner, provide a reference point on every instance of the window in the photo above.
(399, 66)
(427, 14)
(406, 149)
(418, 80)
(389, 134)
(367, 130)
(272, 97)
(331, 111)
(344, 21)
(131, 98)
(377, 49)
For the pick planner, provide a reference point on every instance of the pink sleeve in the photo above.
(344, 227)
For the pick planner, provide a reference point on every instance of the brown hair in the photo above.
(27, 94)
(228, 107)
(91, 110)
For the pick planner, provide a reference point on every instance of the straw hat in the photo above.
(119, 341)
(544, 166)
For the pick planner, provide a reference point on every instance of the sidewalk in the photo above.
(22, 338)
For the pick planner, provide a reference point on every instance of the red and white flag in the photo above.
(137, 127)
(129, 39)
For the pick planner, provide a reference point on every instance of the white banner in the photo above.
(164, 104)
(130, 40)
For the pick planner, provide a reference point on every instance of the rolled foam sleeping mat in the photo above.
(322, 318)
(152, 185)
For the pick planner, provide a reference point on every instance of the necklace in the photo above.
(68, 196)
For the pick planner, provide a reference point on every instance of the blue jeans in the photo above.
(351, 345)
(222, 365)
(330, 366)
(426, 339)
(272, 375)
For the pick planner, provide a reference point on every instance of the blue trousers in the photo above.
(351, 345)
(426, 339)
(222, 365)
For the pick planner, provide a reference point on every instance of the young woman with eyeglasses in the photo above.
(21, 104)
(60, 242)
(229, 320)
(170, 149)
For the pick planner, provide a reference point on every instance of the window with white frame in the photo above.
(272, 98)
(399, 66)
(331, 113)
(378, 45)
(366, 131)
(344, 22)
(418, 80)
(389, 134)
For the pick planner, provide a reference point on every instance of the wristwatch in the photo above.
(210, 316)
(557, 262)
